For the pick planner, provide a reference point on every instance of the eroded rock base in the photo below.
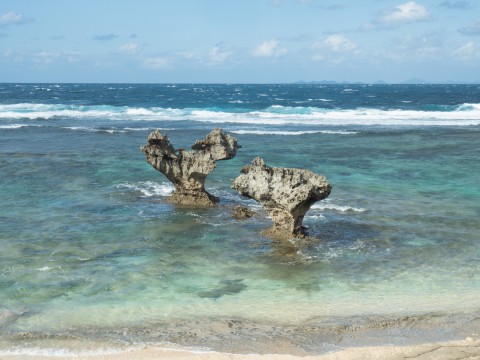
(286, 193)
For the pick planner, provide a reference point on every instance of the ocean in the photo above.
(94, 258)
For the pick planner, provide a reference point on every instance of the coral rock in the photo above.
(286, 193)
(187, 170)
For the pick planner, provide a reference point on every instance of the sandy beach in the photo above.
(465, 349)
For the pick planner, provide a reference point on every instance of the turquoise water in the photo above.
(91, 249)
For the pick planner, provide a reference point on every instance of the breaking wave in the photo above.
(13, 126)
(287, 133)
(434, 115)
(110, 130)
(148, 188)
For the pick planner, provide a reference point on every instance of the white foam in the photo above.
(83, 128)
(328, 204)
(140, 129)
(320, 217)
(48, 111)
(291, 133)
(462, 115)
(45, 268)
(469, 107)
(140, 111)
(62, 353)
(148, 129)
(355, 117)
(149, 188)
(13, 126)
(339, 132)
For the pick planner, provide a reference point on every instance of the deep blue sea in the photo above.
(92, 252)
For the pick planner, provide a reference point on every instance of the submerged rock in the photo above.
(226, 287)
(187, 170)
(286, 193)
(242, 212)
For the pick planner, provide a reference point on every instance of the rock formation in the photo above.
(187, 170)
(286, 193)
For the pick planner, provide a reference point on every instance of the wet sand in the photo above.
(465, 349)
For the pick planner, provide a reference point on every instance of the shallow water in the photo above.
(90, 245)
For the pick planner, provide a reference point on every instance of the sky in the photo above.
(239, 41)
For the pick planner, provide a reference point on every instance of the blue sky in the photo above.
(239, 40)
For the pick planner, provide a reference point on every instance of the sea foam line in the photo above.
(89, 129)
(291, 133)
(461, 115)
(62, 353)
(328, 204)
(86, 128)
(149, 188)
(13, 126)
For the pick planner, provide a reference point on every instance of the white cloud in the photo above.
(428, 46)
(335, 48)
(73, 57)
(45, 57)
(270, 48)
(11, 18)
(41, 59)
(409, 12)
(338, 43)
(129, 49)
(468, 51)
(218, 55)
(156, 63)
(13, 55)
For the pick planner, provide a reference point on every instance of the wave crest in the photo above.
(291, 133)
(461, 115)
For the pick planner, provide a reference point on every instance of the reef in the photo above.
(187, 170)
(286, 193)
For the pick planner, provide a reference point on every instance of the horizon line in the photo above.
(300, 82)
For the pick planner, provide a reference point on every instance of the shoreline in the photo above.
(353, 338)
(462, 349)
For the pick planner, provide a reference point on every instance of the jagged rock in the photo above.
(187, 170)
(286, 193)
(242, 212)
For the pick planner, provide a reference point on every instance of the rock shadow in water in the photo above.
(226, 287)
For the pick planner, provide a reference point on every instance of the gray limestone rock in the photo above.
(187, 170)
(286, 193)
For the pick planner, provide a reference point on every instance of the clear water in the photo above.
(90, 249)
